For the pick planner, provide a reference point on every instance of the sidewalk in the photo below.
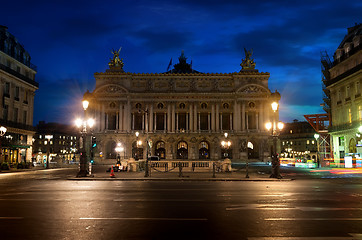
(100, 174)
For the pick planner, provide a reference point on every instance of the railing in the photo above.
(189, 166)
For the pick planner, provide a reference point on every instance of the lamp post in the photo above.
(147, 140)
(48, 137)
(316, 136)
(83, 124)
(2, 133)
(275, 128)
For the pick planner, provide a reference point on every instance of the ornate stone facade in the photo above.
(182, 114)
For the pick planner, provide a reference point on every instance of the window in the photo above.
(349, 115)
(225, 106)
(348, 88)
(137, 124)
(358, 87)
(339, 95)
(182, 118)
(204, 121)
(112, 121)
(160, 121)
(341, 141)
(17, 92)
(7, 89)
(307, 141)
(182, 105)
(6, 112)
(360, 112)
(26, 94)
(16, 112)
(225, 121)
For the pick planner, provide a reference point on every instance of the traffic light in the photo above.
(94, 142)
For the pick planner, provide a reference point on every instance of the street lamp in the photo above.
(2, 133)
(48, 137)
(316, 136)
(275, 128)
(148, 143)
(83, 124)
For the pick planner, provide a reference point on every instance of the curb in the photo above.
(182, 179)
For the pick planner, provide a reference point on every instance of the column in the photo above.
(217, 117)
(169, 118)
(143, 121)
(165, 125)
(234, 126)
(173, 121)
(195, 117)
(243, 115)
(102, 118)
(208, 122)
(213, 117)
(125, 117)
(151, 118)
(191, 119)
(129, 116)
(177, 123)
(261, 116)
(120, 117)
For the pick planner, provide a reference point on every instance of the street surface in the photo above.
(46, 205)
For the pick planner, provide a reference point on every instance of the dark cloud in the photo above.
(70, 40)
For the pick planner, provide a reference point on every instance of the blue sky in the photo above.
(71, 40)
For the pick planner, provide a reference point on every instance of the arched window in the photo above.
(204, 151)
(160, 150)
(182, 152)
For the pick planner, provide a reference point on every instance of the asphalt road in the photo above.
(45, 205)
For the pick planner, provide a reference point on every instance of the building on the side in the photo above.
(17, 90)
(55, 142)
(182, 113)
(297, 140)
(344, 85)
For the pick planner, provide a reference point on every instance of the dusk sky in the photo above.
(71, 40)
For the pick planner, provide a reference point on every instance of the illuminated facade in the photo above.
(57, 141)
(297, 141)
(18, 86)
(345, 90)
(182, 113)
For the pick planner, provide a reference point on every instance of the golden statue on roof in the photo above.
(115, 62)
(248, 63)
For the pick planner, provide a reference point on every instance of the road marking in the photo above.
(152, 219)
(313, 219)
(354, 237)
(11, 218)
(286, 207)
(158, 200)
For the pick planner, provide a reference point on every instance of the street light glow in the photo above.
(268, 125)
(275, 106)
(316, 136)
(90, 122)
(85, 104)
(280, 125)
(78, 122)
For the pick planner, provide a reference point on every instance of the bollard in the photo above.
(213, 169)
(179, 169)
(247, 169)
